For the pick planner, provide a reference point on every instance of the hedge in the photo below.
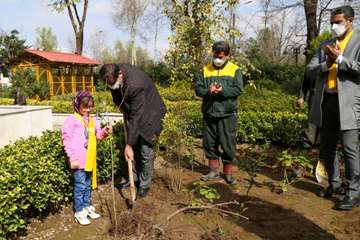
(281, 127)
(249, 100)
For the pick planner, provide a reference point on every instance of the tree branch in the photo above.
(213, 207)
(76, 13)
(86, 3)
(322, 10)
(73, 23)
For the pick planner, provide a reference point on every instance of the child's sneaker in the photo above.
(91, 213)
(81, 217)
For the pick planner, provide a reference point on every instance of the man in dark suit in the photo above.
(336, 104)
(137, 97)
(311, 132)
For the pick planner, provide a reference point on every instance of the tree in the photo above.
(97, 44)
(77, 23)
(127, 16)
(25, 85)
(154, 21)
(314, 12)
(310, 7)
(195, 25)
(120, 53)
(46, 40)
(11, 46)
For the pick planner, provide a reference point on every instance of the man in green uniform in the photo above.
(219, 85)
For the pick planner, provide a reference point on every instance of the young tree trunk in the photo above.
(310, 7)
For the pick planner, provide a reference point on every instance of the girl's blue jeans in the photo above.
(82, 189)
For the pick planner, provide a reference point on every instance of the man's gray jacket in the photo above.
(348, 84)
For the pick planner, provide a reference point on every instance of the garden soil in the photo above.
(297, 214)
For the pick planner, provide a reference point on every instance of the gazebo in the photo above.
(65, 72)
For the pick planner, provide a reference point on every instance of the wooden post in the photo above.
(92, 84)
(62, 84)
(50, 80)
(37, 72)
(83, 81)
(92, 79)
(73, 83)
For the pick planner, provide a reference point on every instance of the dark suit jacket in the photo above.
(141, 104)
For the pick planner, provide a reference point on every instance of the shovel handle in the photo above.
(131, 180)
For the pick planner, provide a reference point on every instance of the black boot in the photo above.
(348, 203)
(142, 192)
(329, 192)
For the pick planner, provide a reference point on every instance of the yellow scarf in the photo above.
(90, 163)
(332, 77)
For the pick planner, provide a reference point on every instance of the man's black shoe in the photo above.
(124, 185)
(142, 192)
(329, 192)
(348, 203)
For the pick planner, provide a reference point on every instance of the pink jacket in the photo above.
(74, 140)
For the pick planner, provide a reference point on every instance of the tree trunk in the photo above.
(310, 7)
(79, 42)
(77, 23)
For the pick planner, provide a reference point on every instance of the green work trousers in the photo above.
(220, 132)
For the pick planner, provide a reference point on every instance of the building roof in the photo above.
(63, 57)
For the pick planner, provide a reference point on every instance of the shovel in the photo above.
(132, 185)
(130, 171)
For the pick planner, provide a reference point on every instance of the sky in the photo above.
(27, 15)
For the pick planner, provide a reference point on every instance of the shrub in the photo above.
(264, 100)
(280, 127)
(34, 176)
(159, 72)
(263, 84)
(178, 91)
(24, 83)
(5, 91)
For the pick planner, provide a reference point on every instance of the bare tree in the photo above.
(77, 22)
(314, 14)
(127, 15)
(265, 8)
(98, 44)
(154, 21)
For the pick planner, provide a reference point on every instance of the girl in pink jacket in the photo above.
(79, 135)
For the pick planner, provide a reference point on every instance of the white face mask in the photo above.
(218, 61)
(116, 85)
(338, 30)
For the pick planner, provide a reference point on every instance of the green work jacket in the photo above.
(224, 103)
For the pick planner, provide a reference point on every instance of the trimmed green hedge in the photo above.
(281, 127)
(34, 176)
(249, 100)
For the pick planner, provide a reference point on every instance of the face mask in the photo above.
(338, 30)
(218, 61)
(116, 85)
